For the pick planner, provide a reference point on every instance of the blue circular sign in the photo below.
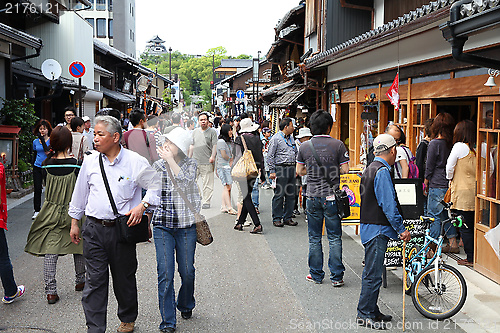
(77, 69)
(240, 94)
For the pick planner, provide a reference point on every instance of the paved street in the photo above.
(244, 283)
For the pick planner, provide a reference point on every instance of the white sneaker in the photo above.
(35, 215)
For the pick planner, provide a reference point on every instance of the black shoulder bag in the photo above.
(131, 235)
(343, 207)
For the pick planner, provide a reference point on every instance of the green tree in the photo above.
(195, 72)
(21, 113)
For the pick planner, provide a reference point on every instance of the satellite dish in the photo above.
(142, 83)
(51, 69)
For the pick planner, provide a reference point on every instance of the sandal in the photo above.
(223, 210)
(232, 211)
(238, 227)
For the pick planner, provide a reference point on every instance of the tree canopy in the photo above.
(194, 71)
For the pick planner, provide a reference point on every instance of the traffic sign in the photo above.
(77, 69)
(240, 94)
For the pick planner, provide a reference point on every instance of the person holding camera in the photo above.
(321, 204)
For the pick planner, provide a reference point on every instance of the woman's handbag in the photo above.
(341, 198)
(447, 196)
(245, 167)
(203, 234)
(132, 235)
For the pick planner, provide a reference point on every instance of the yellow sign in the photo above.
(351, 183)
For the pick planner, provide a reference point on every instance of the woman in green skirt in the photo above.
(49, 233)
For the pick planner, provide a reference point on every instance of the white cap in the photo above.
(181, 138)
(383, 142)
(303, 133)
(86, 118)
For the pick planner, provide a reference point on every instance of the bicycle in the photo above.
(438, 290)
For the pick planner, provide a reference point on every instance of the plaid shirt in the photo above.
(173, 211)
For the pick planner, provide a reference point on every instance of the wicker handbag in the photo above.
(245, 167)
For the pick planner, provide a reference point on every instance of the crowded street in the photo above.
(267, 166)
(244, 283)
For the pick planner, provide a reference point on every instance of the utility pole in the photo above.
(258, 81)
(213, 80)
(170, 64)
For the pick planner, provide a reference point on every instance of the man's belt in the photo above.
(103, 222)
(286, 164)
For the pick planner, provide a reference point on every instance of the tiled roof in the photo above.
(283, 23)
(278, 89)
(25, 69)
(106, 49)
(395, 24)
(476, 7)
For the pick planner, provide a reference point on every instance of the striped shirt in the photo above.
(173, 211)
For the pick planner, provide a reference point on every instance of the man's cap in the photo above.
(86, 118)
(383, 142)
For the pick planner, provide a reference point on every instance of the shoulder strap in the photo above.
(146, 138)
(181, 192)
(321, 167)
(106, 184)
(44, 144)
(243, 141)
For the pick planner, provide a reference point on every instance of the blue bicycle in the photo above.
(438, 290)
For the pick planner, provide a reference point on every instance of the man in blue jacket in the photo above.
(381, 219)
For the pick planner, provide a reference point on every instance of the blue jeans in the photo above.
(372, 277)
(284, 193)
(255, 193)
(6, 274)
(180, 243)
(318, 209)
(436, 210)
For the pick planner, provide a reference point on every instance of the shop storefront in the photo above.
(361, 71)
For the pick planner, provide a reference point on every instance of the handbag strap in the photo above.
(106, 184)
(179, 190)
(80, 151)
(243, 141)
(147, 143)
(321, 167)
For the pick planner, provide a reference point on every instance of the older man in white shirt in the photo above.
(127, 172)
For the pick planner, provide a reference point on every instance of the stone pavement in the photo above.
(244, 283)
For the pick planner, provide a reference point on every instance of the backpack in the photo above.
(412, 166)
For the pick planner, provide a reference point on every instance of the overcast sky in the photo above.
(194, 26)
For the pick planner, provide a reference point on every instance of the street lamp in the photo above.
(170, 63)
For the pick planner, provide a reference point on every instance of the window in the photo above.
(91, 22)
(101, 28)
(132, 11)
(110, 5)
(100, 4)
(132, 35)
(488, 190)
(110, 28)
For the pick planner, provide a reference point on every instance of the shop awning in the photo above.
(118, 96)
(289, 97)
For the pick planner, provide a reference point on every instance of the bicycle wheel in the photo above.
(407, 284)
(441, 299)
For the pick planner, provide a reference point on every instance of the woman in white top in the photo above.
(461, 171)
(80, 143)
(404, 154)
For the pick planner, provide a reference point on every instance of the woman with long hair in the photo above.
(461, 171)
(49, 234)
(435, 177)
(42, 131)
(175, 227)
(224, 160)
(250, 134)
